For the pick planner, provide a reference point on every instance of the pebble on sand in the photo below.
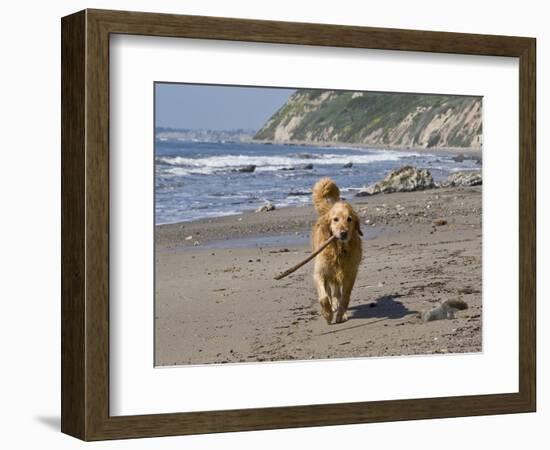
(266, 208)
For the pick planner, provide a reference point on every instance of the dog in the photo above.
(337, 265)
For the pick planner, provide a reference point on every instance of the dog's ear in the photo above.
(324, 226)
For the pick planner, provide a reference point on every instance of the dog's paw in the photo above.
(326, 309)
(327, 315)
(341, 317)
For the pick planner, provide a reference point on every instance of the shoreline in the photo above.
(266, 176)
(242, 225)
(467, 151)
(220, 304)
(227, 218)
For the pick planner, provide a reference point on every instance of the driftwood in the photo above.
(305, 261)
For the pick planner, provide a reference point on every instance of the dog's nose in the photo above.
(343, 235)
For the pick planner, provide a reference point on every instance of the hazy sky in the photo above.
(213, 107)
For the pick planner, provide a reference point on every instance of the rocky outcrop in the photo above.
(302, 167)
(409, 178)
(245, 169)
(461, 158)
(463, 179)
(405, 179)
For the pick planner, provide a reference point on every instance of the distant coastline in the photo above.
(472, 151)
(377, 119)
(246, 137)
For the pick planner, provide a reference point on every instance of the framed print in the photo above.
(270, 225)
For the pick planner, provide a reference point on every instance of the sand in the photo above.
(217, 301)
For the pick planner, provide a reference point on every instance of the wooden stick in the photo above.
(305, 261)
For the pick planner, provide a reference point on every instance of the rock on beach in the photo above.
(266, 208)
(408, 179)
(463, 179)
(404, 179)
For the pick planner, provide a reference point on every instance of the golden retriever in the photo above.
(336, 266)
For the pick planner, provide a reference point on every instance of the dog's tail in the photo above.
(325, 194)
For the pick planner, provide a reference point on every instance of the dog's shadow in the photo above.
(383, 307)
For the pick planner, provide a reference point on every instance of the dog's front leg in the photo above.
(341, 313)
(336, 297)
(324, 296)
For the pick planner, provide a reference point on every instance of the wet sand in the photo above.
(217, 301)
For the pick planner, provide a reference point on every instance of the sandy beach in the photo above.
(217, 301)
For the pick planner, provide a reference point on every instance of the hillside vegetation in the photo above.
(377, 119)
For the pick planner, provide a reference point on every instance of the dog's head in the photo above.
(343, 221)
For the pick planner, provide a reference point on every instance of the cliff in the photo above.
(377, 119)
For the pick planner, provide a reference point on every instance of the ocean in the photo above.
(196, 180)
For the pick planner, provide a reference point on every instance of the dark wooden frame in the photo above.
(85, 224)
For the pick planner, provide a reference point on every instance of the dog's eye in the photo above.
(349, 219)
(335, 219)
